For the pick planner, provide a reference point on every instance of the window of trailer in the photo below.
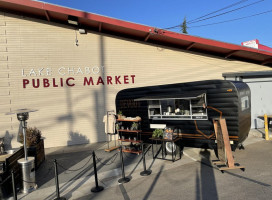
(187, 106)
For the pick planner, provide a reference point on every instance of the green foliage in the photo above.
(120, 112)
(134, 126)
(157, 133)
(33, 136)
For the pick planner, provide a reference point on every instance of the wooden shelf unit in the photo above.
(131, 132)
(132, 141)
(132, 151)
(128, 120)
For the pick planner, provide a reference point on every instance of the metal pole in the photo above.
(124, 179)
(97, 188)
(172, 151)
(143, 156)
(24, 134)
(56, 178)
(108, 141)
(13, 185)
(266, 127)
(57, 182)
(122, 163)
(115, 141)
(145, 172)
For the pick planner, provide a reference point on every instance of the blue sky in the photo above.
(164, 14)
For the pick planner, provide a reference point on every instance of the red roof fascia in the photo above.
(92, 17)
(132, 26)
(266, 48)
(77, 13)
(212, 42)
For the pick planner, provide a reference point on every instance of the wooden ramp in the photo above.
(226, 161)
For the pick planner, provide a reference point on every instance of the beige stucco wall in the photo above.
(72, 115)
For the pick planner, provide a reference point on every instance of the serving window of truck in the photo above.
(184, 106)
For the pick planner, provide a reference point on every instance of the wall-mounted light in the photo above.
(73, 20)
(82, 31)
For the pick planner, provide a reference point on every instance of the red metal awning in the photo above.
(135, 31)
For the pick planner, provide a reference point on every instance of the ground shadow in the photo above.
(152, 186)
(206, 183)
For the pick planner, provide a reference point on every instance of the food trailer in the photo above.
(188, 109)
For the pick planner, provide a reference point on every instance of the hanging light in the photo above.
(72, 20)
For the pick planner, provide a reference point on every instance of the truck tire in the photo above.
(168, 147)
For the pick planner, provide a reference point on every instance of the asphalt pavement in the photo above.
(192, 177)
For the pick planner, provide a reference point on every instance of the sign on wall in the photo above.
(89, 76)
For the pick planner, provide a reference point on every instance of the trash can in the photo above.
(28, 174)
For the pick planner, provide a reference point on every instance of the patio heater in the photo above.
(27, 163)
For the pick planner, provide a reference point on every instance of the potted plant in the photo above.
(35, 144)
(157, 133)
(119, 114)
(134, 126)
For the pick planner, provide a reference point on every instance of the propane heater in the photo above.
(27, 163)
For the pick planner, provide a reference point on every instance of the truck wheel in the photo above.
(168, 146)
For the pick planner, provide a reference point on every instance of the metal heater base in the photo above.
(28, 174)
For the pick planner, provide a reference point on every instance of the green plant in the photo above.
(157, 133)
(134, 126)
(119, 112)
(33, 136)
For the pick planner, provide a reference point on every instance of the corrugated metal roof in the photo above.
(152, 35)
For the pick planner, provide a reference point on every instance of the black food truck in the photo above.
(189, 109)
